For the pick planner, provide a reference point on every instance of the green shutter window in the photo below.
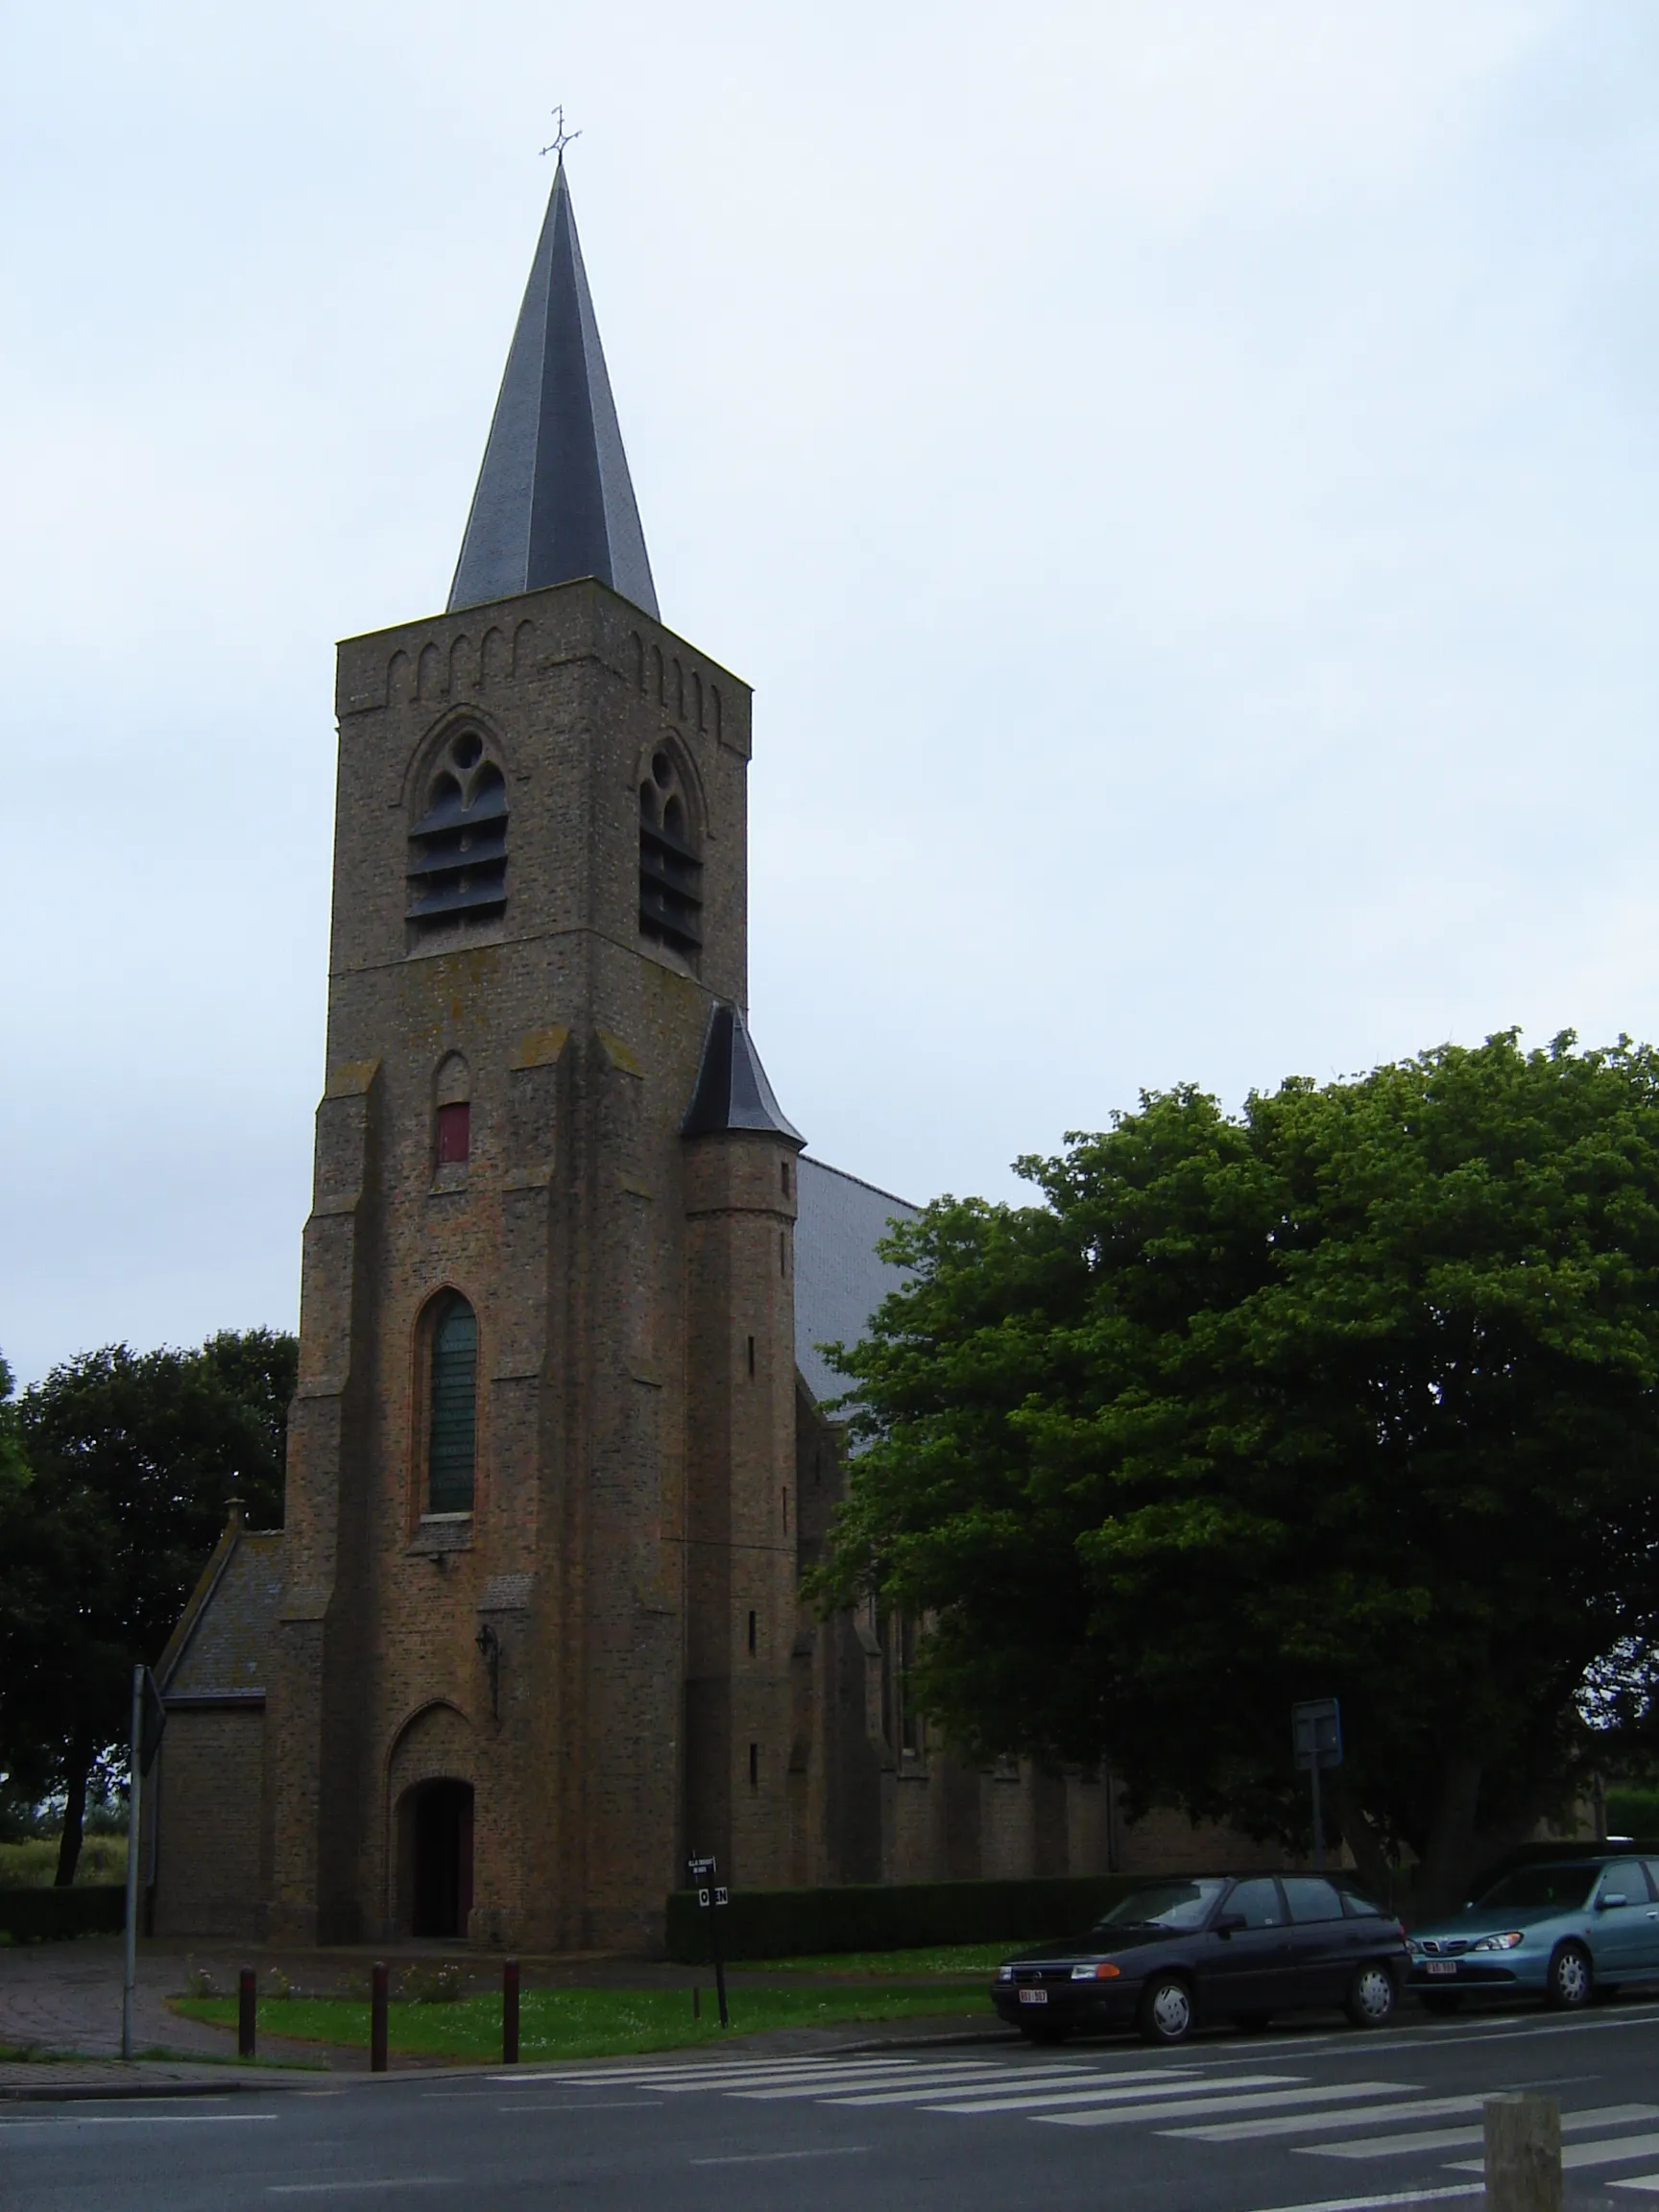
(450, 1446)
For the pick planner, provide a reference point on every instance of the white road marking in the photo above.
(772, 2158)
(331, 2188)
(1104, 2092)
(699, 2069)
(1609, 2154)
(1454, 2138)
(1276, 2100)
(942, 2080)
(1039, 2079)
(601, 2104)
(1305, 2123)
(1648, 2181)
(144, 2119)
(1396, 2197)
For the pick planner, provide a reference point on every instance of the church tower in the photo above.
(538, 1591)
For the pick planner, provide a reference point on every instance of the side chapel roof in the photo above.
(841, 1278)
(221, 1648)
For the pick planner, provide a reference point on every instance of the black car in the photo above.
(1180, 1953)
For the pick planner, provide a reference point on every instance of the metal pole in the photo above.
(1318, 1819)
(247, 2012)
(130, 1975)
(719, 1966)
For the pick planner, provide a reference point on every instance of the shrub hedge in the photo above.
(891, 1916)
(52, 1915)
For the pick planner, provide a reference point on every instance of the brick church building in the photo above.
(531, 1630)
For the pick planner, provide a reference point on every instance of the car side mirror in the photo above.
(1230, 1922)
(1612, 1898)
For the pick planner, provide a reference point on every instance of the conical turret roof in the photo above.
(731, 1091)
(554, 498)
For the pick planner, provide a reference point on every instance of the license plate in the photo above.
(1033, 1996)
(1442, 1965)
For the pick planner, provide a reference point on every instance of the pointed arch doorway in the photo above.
(441, 1824)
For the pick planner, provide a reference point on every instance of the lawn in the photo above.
(978, 1960)
(32, 1864)
(579, 2023)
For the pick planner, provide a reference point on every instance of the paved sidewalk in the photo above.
(66, 1996)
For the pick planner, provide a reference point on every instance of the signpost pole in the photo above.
(1318, 1824)
(130, 1971)
(712, 1899)
(719, 1962)
(1316, 1741)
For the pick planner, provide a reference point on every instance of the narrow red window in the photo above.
(454, 1134)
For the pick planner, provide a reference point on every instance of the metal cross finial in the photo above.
(560, 136)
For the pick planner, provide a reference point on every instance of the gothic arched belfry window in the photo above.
(458, 846)
(452, 1420)
(670, 870)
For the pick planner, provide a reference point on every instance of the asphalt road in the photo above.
(1324, 2118)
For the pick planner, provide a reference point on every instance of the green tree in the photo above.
(1356, 1394)
(132, 1459)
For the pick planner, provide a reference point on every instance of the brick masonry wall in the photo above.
(210, 1781)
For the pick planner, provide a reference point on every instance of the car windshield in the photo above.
(1562, 1888)
(1164, 1905)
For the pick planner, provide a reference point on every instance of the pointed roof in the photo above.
(554, 498)
(731, 1091)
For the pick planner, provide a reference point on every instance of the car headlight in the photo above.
(1105, 1971)
(1417, 1950)
(1507, 1942)
(1004, 1973)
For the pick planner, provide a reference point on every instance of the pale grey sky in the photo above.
(1180, 474)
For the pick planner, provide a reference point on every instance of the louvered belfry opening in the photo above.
(458, 849)
(670, 873)
(451, 1443)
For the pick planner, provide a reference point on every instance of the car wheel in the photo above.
(1045, 2031)
(1167, 2011)
(1439, 2001)
(1572, 1978)
(1370, 1999)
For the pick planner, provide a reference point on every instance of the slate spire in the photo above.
(554, 499)
(731, 1091)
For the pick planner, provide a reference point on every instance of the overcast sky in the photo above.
(1181, 477)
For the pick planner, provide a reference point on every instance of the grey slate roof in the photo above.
(554, 499)
(839, 1279)
(731, 1091)
(227, 1646)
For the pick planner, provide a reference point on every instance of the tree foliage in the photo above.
(1356, 1394)
(130, 1461)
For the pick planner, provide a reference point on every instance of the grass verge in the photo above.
(576, 2023)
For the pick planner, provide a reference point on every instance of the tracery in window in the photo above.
(452, 1414)
(458, 848)
(670, 872)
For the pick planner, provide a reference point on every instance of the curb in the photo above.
(121, 2091)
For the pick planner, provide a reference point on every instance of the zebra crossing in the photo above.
(1383, 2123)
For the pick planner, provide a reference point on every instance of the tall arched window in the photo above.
(453, 1121)
(453, 1428)
(670, 873)
(458, 848)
